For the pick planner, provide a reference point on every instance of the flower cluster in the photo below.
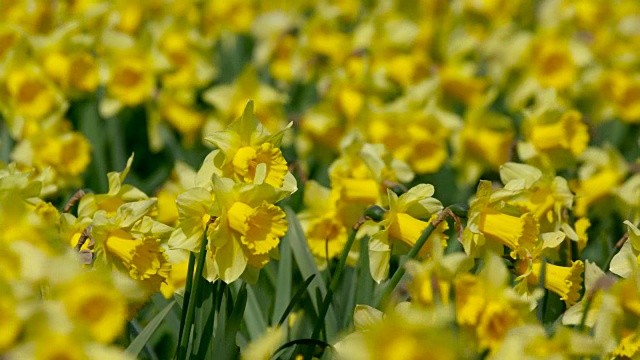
(489, 149)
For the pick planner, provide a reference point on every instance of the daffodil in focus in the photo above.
(517, 231)
(532, 190)
(247, 231)
(248, 153)
(402, 225)
(566, 281)
(131, 241)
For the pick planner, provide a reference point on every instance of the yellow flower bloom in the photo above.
(247, 231)
(511, 231)
(31, 98)
(484, 142)
(248, 153)
(260, 228)
(96, 306)
(603, 171)
(402, 224)
(564, 281)
(486, 304)
(131, 242)
(230, 101)
(118, 194)
(130, 80)
(568, 132)
(531, 190)
(417, 137)
(322, 222)
(553, 63)
(486, 221)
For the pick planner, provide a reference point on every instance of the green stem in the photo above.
(186, 330)
(187, 295)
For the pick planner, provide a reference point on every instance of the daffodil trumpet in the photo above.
(453, 211)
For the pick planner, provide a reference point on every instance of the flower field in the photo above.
(331, 179)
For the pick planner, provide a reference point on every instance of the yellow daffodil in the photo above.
(194, 211)
(417, 137)
(485, 304)
(247, 230)
(627, 261)
(518, 232)
(483, 143)
(404, 333)
(433, 278)
(603, 170)
(553, 62)
(31, 99)
(528, 188)
(562, 280)
(553, 136)
(96, 306)
(130, 82)
(65, 153)
(616, 325)
(402, 224)
(182, 178)
(131, 242)
(322, 222)
(248, 153)
(11, 322)
(363, 170)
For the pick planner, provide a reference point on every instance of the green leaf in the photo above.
(295, 299)
(307, 266)
(253, 316)
(283, 286)
(138, 343)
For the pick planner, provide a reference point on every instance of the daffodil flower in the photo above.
(247, 230)
(562, 280)
(402, 224)
(487, 305)
(131, 241)
(248, 153)
(518, 232)
(322, 222)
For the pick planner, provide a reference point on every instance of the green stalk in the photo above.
(186, 329)
(187, 295)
